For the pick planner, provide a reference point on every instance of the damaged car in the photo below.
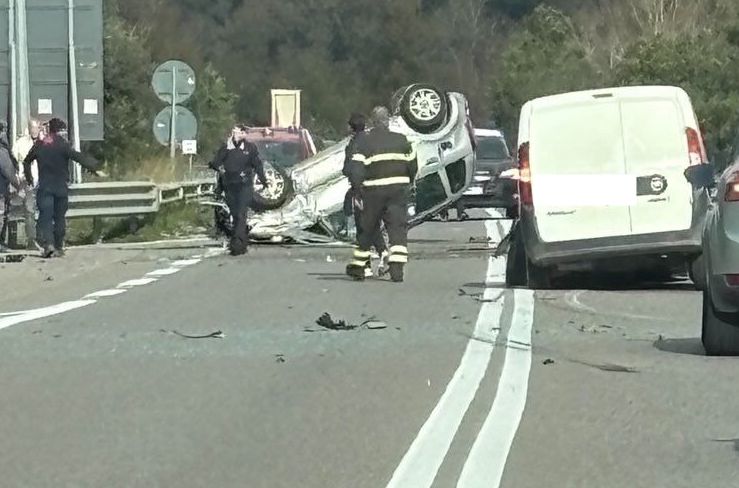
(307, 205)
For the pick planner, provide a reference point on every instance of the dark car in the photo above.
(489, 188)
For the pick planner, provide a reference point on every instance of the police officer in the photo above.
(237, 161)
(53, 154)
(384, 166)
(353, 201)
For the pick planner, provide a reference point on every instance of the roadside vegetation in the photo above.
(350, 55)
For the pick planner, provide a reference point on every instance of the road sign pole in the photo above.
(173, 124)
(73, 87)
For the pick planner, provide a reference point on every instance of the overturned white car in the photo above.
(437, 122)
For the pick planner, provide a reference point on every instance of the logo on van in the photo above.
(658, 184)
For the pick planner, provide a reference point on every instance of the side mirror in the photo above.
(700, 175)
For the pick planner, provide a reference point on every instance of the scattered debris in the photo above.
(13, 258)
(607, 367)
(327, 322)
(428, 382)
(49, 278)
(56, 336)
(36, 332)
(300, 261)
(279, 358)
(214, 335)
(547, 362)
(597, 329)
(329, 259)
(455, 317)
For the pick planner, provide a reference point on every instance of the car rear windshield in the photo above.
(284, 154)
(492, 148)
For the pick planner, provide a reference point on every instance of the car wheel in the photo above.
(720, 334)
(278, 190)
(516, 264)
(697, 273)
(511, 213)
(423, 107)
(538, 277)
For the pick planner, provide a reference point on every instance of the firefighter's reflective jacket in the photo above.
(383, 158)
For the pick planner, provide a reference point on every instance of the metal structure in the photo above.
(51, 65)
(174, 83)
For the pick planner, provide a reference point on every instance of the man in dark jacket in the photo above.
(353, 200)
(8, 178)
(236, 162)
(385, 165)
(53, 155)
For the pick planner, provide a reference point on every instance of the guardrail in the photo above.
(113, 199)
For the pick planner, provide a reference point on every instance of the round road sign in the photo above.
(174, 76)
(186, 125)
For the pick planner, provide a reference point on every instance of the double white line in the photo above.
(487, 458)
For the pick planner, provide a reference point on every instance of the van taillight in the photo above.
(696, 149)
(732, 189)
(524, 179)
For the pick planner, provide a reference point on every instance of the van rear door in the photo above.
(656, 149)
(578, 178)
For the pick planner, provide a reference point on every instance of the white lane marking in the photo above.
(44, 312)
(186, 262)
(164, 272)
(487, 459)
(105, 293)
(138, 282)
(9, 314)
(422, 461)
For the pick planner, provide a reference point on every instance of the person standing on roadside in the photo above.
(236, 162)
(21, 148)
(54, 154)
(8, 178)
(353, 200)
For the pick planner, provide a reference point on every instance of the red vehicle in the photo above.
(280, 149)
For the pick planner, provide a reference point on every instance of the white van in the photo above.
(602, 178)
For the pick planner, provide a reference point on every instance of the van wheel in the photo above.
(538, 277)
(720, 334)
(515, 273)
(697, 272)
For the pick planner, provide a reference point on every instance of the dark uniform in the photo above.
(353, 199)
(384, 164)
(53, 154)
(237, 163)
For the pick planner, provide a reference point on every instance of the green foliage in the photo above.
(706, 66)
(213, 105)
(546, 57)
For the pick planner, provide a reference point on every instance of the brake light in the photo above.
(732, 189)
(696, 149)
(524, 175)
(732, 279)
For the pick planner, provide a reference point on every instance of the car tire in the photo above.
(720, 334)
(515, 275)
(423, 107)
(538, 277)
(511, 213)
(697, 272)
(278, 192)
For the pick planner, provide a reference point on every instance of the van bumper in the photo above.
(686, 242)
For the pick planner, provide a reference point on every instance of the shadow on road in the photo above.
(692, 347)
(622, 282)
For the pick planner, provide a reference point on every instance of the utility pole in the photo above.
(75, 112)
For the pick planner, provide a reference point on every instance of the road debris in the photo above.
(607, 367)
(279, 358)
(214, 335)
(327, 322)
(13, 258)
(547, 362)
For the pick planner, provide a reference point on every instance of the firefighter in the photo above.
(353, 200)
(237, 161)
(384, 166)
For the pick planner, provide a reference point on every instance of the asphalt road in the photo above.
(456, 381)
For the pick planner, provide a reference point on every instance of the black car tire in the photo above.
(275, 197)
(697, 272)
(515, 275)
(423, 107)
(538, 277)
(720, 335)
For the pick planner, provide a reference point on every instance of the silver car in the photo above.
(720, 260)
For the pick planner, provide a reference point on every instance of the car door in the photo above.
(656, 150)
(579, 186)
